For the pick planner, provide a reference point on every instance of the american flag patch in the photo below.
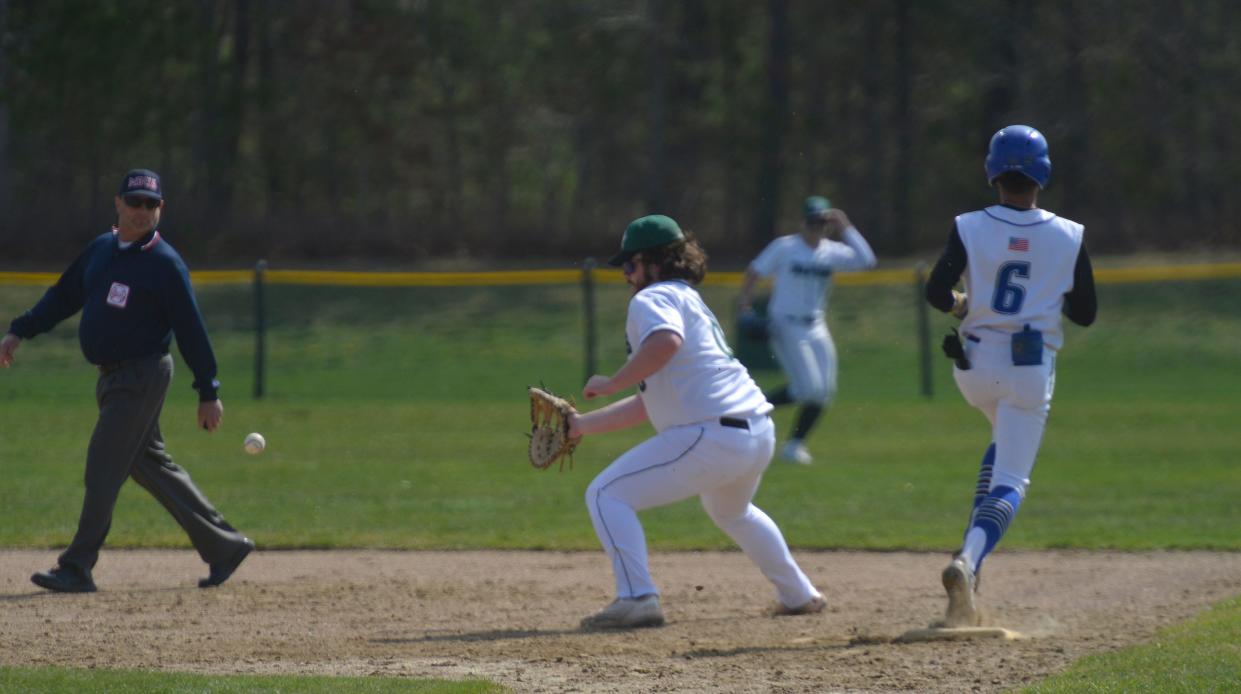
(1018, 243)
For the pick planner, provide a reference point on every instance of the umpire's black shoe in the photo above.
(63, 580)
(220, 572)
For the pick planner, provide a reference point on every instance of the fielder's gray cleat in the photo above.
(795, 452)
(959, 582)
(627, 613)
(814, 605)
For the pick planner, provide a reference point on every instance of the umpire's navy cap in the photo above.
(144, 182)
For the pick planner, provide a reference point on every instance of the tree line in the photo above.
(394, 132)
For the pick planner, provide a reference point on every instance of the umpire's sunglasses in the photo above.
(140, 200)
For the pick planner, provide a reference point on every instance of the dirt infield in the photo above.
(512, 617)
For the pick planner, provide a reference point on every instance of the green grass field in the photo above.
(1202, 655)
(396, 418)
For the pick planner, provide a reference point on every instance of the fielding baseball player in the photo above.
(1023, 267)
(802, 265)
(713, 438)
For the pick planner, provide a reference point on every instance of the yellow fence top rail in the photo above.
(41, 279)
(1145, 273)
(1165, 273)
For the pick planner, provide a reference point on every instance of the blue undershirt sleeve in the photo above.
(1080, 304)
(946, 273)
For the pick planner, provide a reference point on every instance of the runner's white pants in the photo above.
(720, 465)
(1015, 400)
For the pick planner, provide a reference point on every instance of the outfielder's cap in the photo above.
(646, 232)
(144, 182)
(814, 207)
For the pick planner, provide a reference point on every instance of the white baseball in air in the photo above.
(255, 443)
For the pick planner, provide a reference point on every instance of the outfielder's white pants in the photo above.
(720, 465)
(1015, 399)
(808, 356)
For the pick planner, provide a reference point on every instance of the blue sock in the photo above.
(984, 484)
(993, 516)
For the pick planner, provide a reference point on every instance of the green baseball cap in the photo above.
(815, 206)
(647, 232)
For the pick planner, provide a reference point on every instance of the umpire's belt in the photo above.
(106, 369)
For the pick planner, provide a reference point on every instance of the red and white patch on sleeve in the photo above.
(118, 295)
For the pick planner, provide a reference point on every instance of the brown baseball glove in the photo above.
(960, 304)
(549, 429)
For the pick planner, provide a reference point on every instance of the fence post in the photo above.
(260, 328)
(924, 330)
(588, 305)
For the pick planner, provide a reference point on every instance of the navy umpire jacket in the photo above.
(132, 301)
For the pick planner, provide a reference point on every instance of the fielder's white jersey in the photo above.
(703, 380)
(1019, 267)
(803, 274)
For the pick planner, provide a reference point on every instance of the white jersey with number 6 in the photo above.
(1020, 267)
(703, 380)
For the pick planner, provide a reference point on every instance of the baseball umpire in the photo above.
(134, 293)
(802, 265)
(1023, 267)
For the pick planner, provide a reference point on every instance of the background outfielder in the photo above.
(1023, 267)
(713, 438)
(802, 265)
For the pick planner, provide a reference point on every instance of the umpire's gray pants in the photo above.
(127, 443)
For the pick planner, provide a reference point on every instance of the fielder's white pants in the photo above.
(808, 356)
(720, 465)
(1015, 399)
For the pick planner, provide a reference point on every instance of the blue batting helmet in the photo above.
(1019, 148)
